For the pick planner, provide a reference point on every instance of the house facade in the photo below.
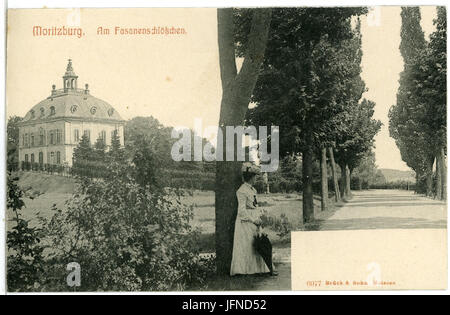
(52, 128)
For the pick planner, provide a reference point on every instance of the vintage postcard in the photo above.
(230, 149)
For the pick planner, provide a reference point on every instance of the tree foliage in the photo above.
(300, 87)
(310, 86)
(417, 121)
(25, 251)
(356, 139)
(12, 148)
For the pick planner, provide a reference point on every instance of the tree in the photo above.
(350, 92)
(160, 139)
(356, 139)
(147, 164)
(99, 150)
(438, 46)
(84, 151)
(429, 75)
(154, 133)
(418, 121)
(379, 178)
(366, 171)
(237, 88)
(300, 81)
(403, 125)
(116, 153)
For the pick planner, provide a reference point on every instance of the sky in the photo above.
(174, 78)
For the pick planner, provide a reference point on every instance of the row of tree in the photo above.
(301, 70)
(417, 121)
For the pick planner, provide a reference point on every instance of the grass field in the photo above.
(42, 191)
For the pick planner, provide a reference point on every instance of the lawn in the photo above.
(42, 191)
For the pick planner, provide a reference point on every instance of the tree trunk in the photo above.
(429, 181)
(307, 169)
(345, 175)
(416, 189)
(348, 177)
(443, 169)
(324, 179)
(236, 92)
(343, 181)
(337, 192)
(228, 180)
(266, 183)
(438, 177)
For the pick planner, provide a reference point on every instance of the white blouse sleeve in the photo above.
(246, 209)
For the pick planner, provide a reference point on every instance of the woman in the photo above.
(245, 259)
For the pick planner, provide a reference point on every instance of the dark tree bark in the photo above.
(348, 177)
(324, 179)
(438, 177)
(345, 175)
(337, 191)
(236, 92)
(307, 170)
(443, 169)
(343, 181)
(416, 190)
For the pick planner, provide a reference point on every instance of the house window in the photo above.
(58, 157)
(52, 137)
(42, 112)
(58, 136)
(32, 114)
(32, 139)
(52, 158)
(102, 136)
(32, 158)
(26, 140)
(76, 135)
(52, 110)
(41, 136)
(26, 158)
(87, 133)
(41, 158)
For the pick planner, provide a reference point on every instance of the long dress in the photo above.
(245, 259)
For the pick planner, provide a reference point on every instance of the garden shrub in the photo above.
(127, 237)
(280, 224)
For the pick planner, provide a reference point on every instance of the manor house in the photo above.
(52, 128)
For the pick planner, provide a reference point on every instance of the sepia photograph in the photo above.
(226, 149)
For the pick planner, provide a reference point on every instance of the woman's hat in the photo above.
(248, 167)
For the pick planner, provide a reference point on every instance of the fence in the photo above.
(57, 169)
(173, 178)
